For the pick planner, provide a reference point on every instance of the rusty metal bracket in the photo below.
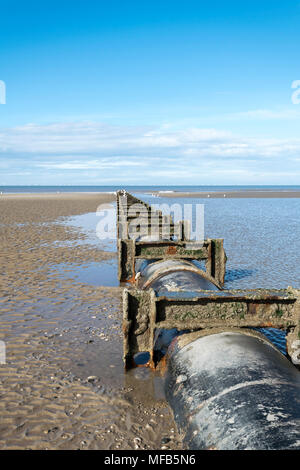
(144, 312)
(211, 250)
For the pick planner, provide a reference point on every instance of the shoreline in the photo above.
(57, 195)
(233, 194)
(250, 194)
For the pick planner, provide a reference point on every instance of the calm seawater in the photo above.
(139, 189)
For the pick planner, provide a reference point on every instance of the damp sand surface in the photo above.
(63, 385)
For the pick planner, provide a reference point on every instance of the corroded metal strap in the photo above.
(211, 250)
(144, 312)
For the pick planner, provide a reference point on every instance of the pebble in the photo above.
(165, 440)
(181, 378)
(92, 378)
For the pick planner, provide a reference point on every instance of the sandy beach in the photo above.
(63, 384)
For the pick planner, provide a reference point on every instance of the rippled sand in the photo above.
(63, 385)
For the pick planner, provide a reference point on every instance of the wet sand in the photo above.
(230, 194)
(63, 384)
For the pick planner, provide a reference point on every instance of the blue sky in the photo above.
(142, 92)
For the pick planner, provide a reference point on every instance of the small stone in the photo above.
(181, 378)
(165, 440)
(92, 378)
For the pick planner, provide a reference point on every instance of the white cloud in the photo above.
(266, 114)
(104, 153)
(88, 165)
(89, 139)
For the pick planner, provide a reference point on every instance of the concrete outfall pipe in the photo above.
(172, 274)
(228, 386)
(231, 390)
(228, 390)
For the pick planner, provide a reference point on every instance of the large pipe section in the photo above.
(232, 390)
(172, 274)
(228, 390)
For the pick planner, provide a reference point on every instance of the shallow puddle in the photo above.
(90, 225)
(103, 273)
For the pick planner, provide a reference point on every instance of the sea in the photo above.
(143, 189)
